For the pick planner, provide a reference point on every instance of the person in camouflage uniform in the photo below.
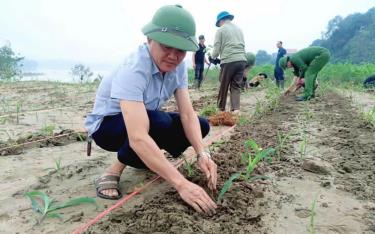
(306, 63)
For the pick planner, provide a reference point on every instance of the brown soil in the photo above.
(257, 207)
(282, 204)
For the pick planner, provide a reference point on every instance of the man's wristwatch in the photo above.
(204, 154)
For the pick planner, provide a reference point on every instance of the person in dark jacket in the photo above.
(199, 59)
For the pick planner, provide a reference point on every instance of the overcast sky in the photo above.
(106, 31)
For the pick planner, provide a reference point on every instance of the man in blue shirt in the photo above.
(126, 118)
(278, 72)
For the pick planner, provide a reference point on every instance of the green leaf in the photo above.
(34, 204)
(55, 215)
(227, 185)
(267, 153)
(46, 200)
(262, 154)
(74, 202)
(49, 168)
(252, 144)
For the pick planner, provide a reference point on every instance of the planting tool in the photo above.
(89, 142)
(205, 75)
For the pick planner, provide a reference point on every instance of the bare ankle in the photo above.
(115, 169)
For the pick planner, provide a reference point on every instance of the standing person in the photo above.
(278, 72)
(230, 45)
(199, 59)
(127, 119)
(306, 63)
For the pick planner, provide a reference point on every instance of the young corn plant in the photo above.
(308, 114)
(281, 141)
(47, 130)
(259, 110)
(36, 116)
(250, 160)
(216, 145)
(57, 167)
(312, 216)
(3, 120)
(243, 120)
(188, 167)
(303, 144)
(80, 137)
(48, 208)
(18, 110)
(369, 117)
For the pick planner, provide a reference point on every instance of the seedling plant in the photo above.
(250, 158)
(48, 208)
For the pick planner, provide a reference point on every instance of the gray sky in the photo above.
(106, 31)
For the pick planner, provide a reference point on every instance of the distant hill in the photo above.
(29, 65)
(350, 39)
(61, 64)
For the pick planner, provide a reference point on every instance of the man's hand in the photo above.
(214, 61)
(197, 198)
(209, 168)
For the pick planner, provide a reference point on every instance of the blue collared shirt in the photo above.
(280, 53)
(137, 79)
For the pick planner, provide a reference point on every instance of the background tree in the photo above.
(81, 72)
(351, 39)
(262, 57)
(10, 66)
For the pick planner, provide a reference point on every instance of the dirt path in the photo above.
(365, 101)
(334, 171)
(342, 184)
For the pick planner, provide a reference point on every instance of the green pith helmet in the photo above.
(282, 63)
(173, 26)
(250, 59)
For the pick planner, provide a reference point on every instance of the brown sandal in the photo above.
(108, 182)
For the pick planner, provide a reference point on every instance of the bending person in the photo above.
(127, 119)
(306, 63)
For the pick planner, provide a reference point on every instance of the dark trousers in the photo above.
(198, 75)
(280, 84)
(165, 128)
(231, 75)
(279, 76)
